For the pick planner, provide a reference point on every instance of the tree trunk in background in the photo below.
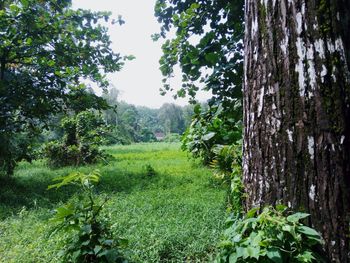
(297, 114)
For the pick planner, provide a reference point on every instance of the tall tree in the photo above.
(46, 48)
(171, 118)
(297, 113)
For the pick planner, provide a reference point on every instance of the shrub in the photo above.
(83, 134)
(118, 135)
(147, 135)
(172, 137)
(227, 165)
(150, 172)
(272, 236)
(209, 128)
(91, 240)
(15, 148)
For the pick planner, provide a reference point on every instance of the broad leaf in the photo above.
(296, 217)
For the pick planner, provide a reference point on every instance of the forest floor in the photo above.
(173, 215)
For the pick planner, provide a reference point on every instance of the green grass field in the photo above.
(175, 215)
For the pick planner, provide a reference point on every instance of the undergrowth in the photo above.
(170, 213)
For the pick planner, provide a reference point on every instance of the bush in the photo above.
(150, 172)
(117, 136)
(210, 128)
(83, 134)
(147, 136)
(91, 240)
(227, 165)
(15, 148)
(172, 137)
(272, 236)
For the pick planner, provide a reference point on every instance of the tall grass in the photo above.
(173, 214)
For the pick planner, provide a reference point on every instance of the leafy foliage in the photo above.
(92, 240)
(140, 124)
(83, 134)
(227, 165)
(171, 118)
(176, 216)
(272, 236)
(46, 48)
(210, 128)
(150, 171)
(172, 137)
(207, 45)
(14, 149)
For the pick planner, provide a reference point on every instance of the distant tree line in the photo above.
(132, 123)
(126, 123)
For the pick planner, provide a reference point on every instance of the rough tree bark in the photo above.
(297, 114)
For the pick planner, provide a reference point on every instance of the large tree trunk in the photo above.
(297, 114)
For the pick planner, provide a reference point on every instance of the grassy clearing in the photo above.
(173, 216)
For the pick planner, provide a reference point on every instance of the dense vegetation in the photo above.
(131, 123)
(208, 47)
(173, 214)
(84, 178)
(46, 49)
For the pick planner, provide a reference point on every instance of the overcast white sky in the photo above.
(140, 79)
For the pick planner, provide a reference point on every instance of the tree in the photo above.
(46, 49)
(111, 96)
(171, 118)
(296, 112)
(83, 134)
(207, 45)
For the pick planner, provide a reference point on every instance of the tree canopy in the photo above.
(208, 46)
(46, 50)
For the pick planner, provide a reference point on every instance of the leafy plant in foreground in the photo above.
(271, 236)
(227, 165)
(91, 240)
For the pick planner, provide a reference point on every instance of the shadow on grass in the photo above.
(31, 191)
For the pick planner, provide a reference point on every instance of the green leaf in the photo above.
(97, 249)
(306, 257)
(87, 229)
(212, 58)
(14, 8)
(25, 3)
(63, 212)
(237, 238)
(85, 243)
(252, 212)
(208, 136)
(253, 252)
(240, 251)
(296, 217)
(245, 252)
(76, 254)
(281, 208)
(310, 232)
(233, 258)
(123, 242)
(111, 255)
(197, 109)
(275, 255)
(50, 63)
(29, 41)
(288, 228)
